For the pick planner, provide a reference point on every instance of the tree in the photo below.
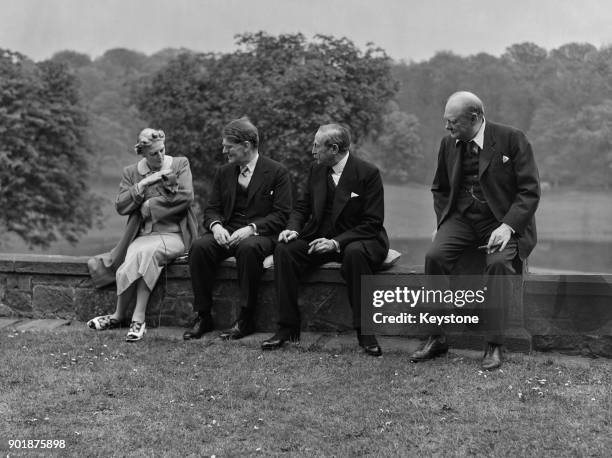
(287, 86)
(72, 58)
(397, 148)
(574, 149)
(43, 179)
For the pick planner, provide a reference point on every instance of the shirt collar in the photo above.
(339, 166)
(143, 167)
(252, 163)
(479, 137)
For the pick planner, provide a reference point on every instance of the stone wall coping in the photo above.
(43, 264)
(535, 283)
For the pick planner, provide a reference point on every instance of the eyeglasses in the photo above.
(316, 145)
(229, 146)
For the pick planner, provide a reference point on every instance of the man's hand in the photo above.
(287, 235)
(240, 234)
(499, 238)
(320, 246)
(221, 235)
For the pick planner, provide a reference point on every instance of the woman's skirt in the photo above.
(145, 258)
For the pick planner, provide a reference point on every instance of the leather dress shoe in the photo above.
(369, 344)
(201, 326)
(240, 329)
(435, 346)
(492, 358)
(278, 339)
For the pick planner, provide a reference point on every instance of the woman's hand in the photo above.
(150, 180)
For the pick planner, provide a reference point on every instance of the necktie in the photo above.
(472, 147)
(330, 176)
(244, 177)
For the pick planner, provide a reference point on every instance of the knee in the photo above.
(281, 250)
(353, 252)
(200, 247)
(434, 256)
(499, 265)
(354, 259)
(247, 250)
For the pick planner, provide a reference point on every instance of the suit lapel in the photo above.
(258, 178)
(319, 192)
(232, 178)
(456, 168)
(488, 151)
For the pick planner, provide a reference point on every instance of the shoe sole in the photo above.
(294, 342)
(234, 337)
(117, 325)
(133, 339)
(437, 355)
(194, 337)
(376, 355)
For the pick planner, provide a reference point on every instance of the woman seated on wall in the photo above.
(156, 193)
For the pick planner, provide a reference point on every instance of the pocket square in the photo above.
(354, 195)
(505, 159)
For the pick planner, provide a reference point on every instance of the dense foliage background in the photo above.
(44, 190)
(69, 123)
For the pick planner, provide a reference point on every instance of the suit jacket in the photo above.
(358, 209)
(269, 196)
(508, 178)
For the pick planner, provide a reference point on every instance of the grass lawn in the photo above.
(163, 396)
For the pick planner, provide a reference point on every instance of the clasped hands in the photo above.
(223, 237)
(321, 245)
(317, 246)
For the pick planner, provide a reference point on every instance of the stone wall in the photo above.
(34, 286)
(571, 313)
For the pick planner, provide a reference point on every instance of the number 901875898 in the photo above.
(37, 443)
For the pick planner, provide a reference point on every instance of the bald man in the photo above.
(486, 191)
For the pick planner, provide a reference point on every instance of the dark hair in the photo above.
(337, 134)
(241, 130)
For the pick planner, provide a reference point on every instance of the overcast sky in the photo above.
(406, 29)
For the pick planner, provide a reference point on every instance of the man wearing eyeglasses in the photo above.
(338, 218)
(248, 206)
(486, 191)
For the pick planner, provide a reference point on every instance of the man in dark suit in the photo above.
(249, 205)
(486, 191)
(338, 218)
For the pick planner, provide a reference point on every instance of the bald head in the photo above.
(463, 115)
